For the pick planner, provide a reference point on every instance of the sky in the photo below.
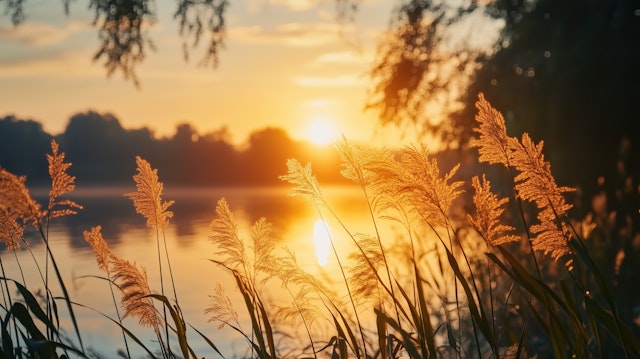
(286, 63)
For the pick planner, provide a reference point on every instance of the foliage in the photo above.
(452, 282)
(123, 29)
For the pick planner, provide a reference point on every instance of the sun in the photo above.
(322, 130)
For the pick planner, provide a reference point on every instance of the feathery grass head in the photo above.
(411, 181)
(362, 278)
(492, 142)
(135, 293)
(221, 308)
(489, 209)
(355, 160)
(61, 183)
(304, 181)
(303, 307)
(533, 182)
(263, 245)
(10, 231)
(536, 184)
(148, 198)
(287, 269)
(224, 235)
(16, 200)
(101, 249)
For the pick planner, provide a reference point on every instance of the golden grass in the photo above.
(432, 289)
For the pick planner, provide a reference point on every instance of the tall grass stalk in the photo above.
(451, 284)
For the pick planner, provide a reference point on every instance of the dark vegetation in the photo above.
(565, 71)
(103, 152)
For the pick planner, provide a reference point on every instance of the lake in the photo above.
(293, 223)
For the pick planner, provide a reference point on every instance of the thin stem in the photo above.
(304, 322)
(6, 296)
(382, 251)
(115, 304)
(346, 283)
(164, 309)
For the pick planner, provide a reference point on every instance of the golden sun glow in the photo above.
(322, 241)
(322, 130)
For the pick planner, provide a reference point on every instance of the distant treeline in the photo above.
(103, 152)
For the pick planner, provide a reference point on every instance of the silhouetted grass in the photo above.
(449, 283)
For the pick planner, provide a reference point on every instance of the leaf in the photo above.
(267, 327)
(349, 332)
(478, 318)
(626, 336)
(382, 336)
(407, 340)
(34, 306)
(213, 346)
(425, 324)
(261, 348)
(180, 329)
(124, 329)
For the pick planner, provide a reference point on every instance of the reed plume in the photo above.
(303, 307)
(286, 268)
(362, 277)
(224, 235)
(136, 300)
(148, 197)
(415, 178)
(221, 309)
(148, 202)
(355, 160)
(489, 210)
(104, 255)
(101, 250)
(61, 183)
(533, 181)
(15, 199)
(494, 146)
(304, 182)
(11, 232)
(263, 245)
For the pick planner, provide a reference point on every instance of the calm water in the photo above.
(195, 276)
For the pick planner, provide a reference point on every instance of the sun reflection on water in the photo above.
(322, 241)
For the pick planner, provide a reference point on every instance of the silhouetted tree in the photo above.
(265, 159)
(103, 152)
(23, 145)
(101, 149)
(565, 71)
(201, 160)
(123, 24)
(422, 65)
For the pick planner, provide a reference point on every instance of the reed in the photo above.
(467, 271)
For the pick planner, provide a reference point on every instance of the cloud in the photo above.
(64, 64)
(330, 81)
(341, 58)
(292, 34)
(320, 103)
(295, 5)
(255, 6)
(40, 34)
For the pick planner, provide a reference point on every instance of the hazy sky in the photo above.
(286, 63)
